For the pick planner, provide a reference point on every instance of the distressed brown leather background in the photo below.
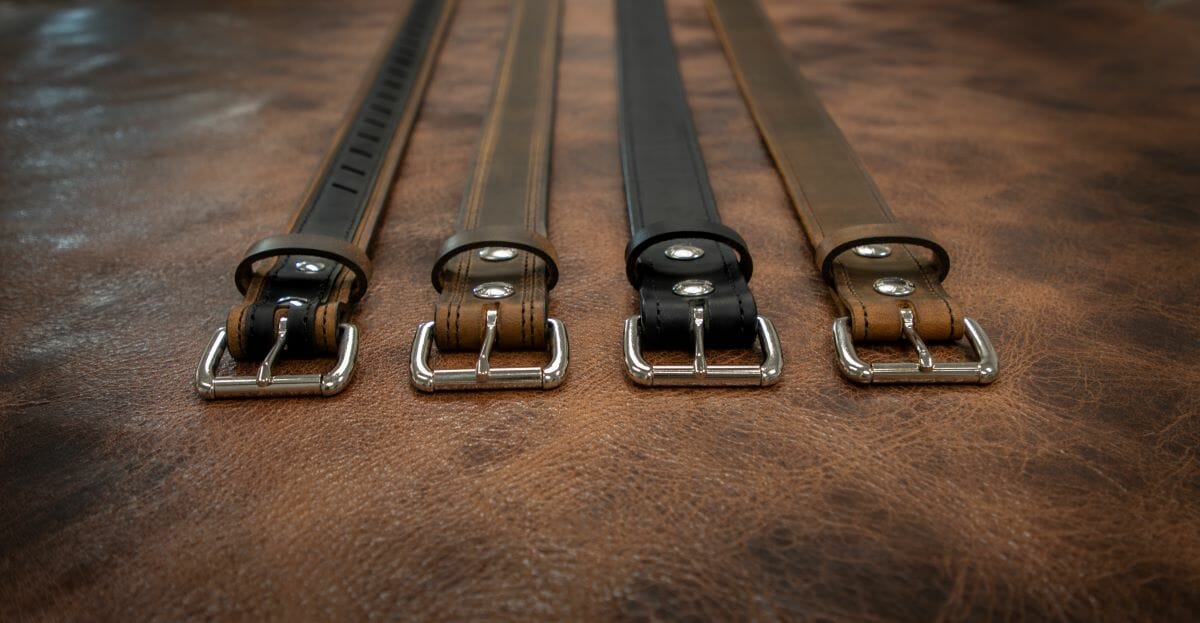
(1054, 147)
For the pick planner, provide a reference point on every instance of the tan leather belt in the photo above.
(298, 305)
(494, 274)
(886, 276)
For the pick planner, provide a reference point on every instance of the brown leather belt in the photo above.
(320, 268)
(494, 274)
(886, 275)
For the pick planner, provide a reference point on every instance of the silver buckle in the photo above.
(924, 370)
(700, 373)
(484, 376)
(266, 384)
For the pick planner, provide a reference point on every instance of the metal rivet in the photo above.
(693, 287)
(294, 301)
(493, 290)
(309, 266)
(873, 250)
(894, 286)
(497, 254)
(684, 252)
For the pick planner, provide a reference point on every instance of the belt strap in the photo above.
(690, 270)
(669, 199)
(887, 276)
(320, 268)
(495, 273)
(830, 189)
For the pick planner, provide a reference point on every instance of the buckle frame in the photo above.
(266, 384)
(484, 376)
(982, 371)
(700, 374)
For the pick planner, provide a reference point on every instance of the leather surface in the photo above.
(1052, 146)
(667, 187)
(508, 187)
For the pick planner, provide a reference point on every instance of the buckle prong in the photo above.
(925, 369)
(267, 384)
(699, 361)
(264, 369)
(924, 357)
(484, 376)
(483, 366)
(699, 373)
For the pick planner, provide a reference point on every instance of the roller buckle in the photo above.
(700, 373)
(924, 370)
(484, 376)
(266, 384)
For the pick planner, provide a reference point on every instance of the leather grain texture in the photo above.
(1054, 147)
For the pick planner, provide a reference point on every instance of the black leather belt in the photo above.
(886, 276)
(495, 273)
(298, 304)
(690, 270)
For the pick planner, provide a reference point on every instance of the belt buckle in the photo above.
(267, 384)
(924, 370)
(484, 376)
(700, 373)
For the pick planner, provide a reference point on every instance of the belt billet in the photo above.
(495, 273)
(690, 270)
(886, 276)
(320, 269)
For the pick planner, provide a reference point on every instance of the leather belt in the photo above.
(886, 276)
(494, 274)
(690, 270)
(318, 270)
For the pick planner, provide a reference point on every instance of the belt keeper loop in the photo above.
(838, 242)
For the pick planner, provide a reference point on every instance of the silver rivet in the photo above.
(873, 250)
(493, 290)
(497, 254)
(894, 286)
(693, 287)
(684, 252)
(294, 301)
(309, 266)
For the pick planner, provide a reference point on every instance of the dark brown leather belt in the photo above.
(690, 270)
(320, 268)
(886, 276)
(494, 274)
